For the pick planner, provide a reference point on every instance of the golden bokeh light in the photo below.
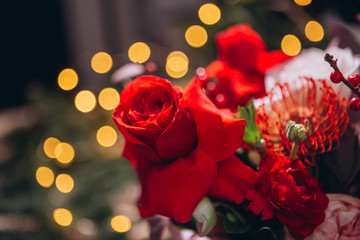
(290, 45)
(62, 216)
(68, 79)
(177, 64)
(49, 146)
(106, 136)
(101, 62)
(85, 101)
(314, 31)
(139, 52)
(121, 223)
(64, 183)
(302, 2)
(64, 153)
(109, 98)
(209, 13)
(45, 176)
(196, 36)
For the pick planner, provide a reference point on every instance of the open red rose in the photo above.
(286, 188)
(181, 146)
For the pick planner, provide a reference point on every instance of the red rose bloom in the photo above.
(243, 49)
(181, 146)
(286, 188)
(239, 75)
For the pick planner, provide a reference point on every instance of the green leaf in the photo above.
(205, 217)
(251, 133)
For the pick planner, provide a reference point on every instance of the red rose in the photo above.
(230, 88)
(181, 146)
(286, 188)
(242, 48)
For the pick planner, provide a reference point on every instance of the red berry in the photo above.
(354, 79)
(354, 104)
(336, 76)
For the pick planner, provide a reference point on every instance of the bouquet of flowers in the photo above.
(229, 159)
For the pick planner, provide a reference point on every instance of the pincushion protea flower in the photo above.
(304, 101)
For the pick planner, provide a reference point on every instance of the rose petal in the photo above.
(259, 204)
(269, 59)
(239, 47)
(179, 138)
(175, 190)
(217, 135)
(233, 180)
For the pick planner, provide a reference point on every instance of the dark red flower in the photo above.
(287, 189)
(181, 146)
(305, 99)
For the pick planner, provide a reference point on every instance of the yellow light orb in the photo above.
(85, 101)
(209, 13)
(314, 31)
(139, 52)
(62, 216)
(290, 45)
(196, 36)
(106, 136)
(101, 62)
(302, 2)
(109, 98)
(177, 64)
(44, 176)
(121, 223)
(64, 183)
(64, 153)
(49, 146)
(68, 79)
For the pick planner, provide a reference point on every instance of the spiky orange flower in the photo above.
(305, 99)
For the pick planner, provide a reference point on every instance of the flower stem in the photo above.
(294, 150)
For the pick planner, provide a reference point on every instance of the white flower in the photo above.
(310, 63)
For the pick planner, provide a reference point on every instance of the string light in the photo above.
(49, 146)
(101, 62)
(139, 52)
(177, 64)
(302, 2)
(196, 36)
(85, 101)
(68, 79)
(106, 136)
(45, 176)
(64, 153)
(109, 98)
(121, 223)
(291, 45)
(64, 183)
(62, 216)
(314, 31)
(209, 13)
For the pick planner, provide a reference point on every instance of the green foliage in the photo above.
(251, 134)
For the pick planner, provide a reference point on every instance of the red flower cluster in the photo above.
(287, 189)
(238, 75)
(182, 147)
(306, 99)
